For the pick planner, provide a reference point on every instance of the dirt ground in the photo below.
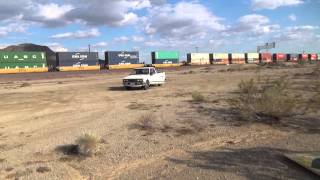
(187, 140)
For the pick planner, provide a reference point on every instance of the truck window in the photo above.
(141, 71)
(152, 71)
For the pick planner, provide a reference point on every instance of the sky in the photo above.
(214, 26)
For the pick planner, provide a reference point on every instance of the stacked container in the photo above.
(122, 59)
(279, 57)
(313, 57)
(75, 61)
(265, 57)
(198, 58)
(165, 58)
(19, 62)
(252, 58)
(293, 57)
(220, 58)
(238, 58)
(303, 57)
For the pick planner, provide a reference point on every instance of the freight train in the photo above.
(21, 62)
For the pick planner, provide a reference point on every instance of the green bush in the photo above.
(197, 97)
(87, 144)
(270, 101)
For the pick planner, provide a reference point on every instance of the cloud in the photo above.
(253, 25)
(94, 32)
(121, 39)
(111, 13)
(50, 15)
(182, 20)
(13, 27)
(137, 38)
(274, 4)
(100, 45)
(11, 8)
(298, 33)
(57, 47)
(292, 17)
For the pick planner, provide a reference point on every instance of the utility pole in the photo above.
(89, 46)
(197, 49)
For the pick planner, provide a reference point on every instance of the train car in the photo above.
(313, 57)
(165, 58)
(279, 57)
(303, 57)
(220, 58)
(22, 62)
(122, 59)
(77, 61)
(238, 58)
(198, 58)
(293, 57)
(252, 58)
(265, 57)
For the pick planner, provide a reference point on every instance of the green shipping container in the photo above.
(319, 56)
(22, 65)
(166, 55)
(22, 57)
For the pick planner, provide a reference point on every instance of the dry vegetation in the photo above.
(189, 128)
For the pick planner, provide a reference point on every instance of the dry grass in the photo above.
(25, 85)
(43, 169)
(87, 144)
(197, 97)
(271, 101)
(145, 123)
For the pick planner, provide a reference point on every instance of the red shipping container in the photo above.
(304, 57)
(313, 57)
(281, 57)
(266, 57)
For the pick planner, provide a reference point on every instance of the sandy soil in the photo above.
(40, 112)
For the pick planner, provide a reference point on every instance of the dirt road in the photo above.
(188, 140)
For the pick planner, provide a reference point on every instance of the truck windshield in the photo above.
(141, 71)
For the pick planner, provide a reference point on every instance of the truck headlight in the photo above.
(140, 80)
(125, 80)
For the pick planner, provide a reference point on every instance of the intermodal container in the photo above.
(265, 57)
(238, 58)
(220, 58)
(303, 57)
(313, 57)
(165, 57)
(121, 57)
(69, 61)
(252, 58)
(318, 56)
(198, 58)
(279, 57)
(17, 62)
(292, 57)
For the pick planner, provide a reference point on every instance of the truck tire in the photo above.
(147, 85)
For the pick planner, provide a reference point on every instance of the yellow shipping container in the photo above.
(237, 56)
(80, 68)
(253, 55)
(220, 56)
(125, 66)
(199, 58)
(23, 70)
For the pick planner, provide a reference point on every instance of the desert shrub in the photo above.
(145, 123)
(87, 144)
(25, 85)
(270, 101)
(197, 97)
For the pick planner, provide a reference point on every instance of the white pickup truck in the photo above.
(144, 78)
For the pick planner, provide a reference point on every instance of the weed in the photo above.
(43, 169)
(87, 144)
(197, 97)
(270, 101)
(25, 85)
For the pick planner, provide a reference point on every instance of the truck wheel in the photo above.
(147, 85)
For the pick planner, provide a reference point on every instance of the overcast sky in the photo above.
(148, 25)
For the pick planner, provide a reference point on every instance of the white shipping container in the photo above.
(220, 56)
(199, 58)
(253, 56)
(237, 56)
